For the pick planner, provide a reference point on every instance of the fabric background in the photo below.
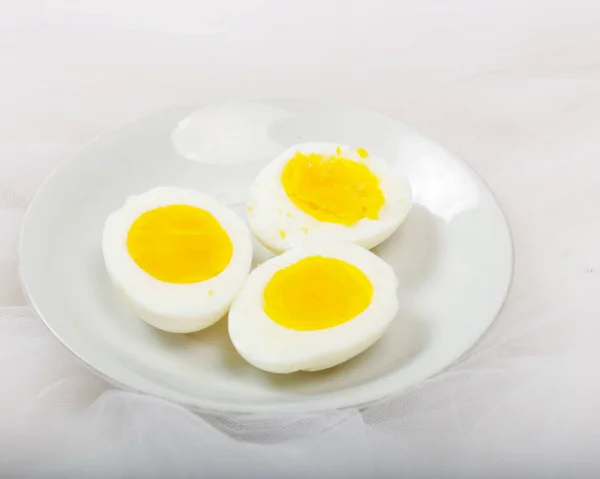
(513, 87)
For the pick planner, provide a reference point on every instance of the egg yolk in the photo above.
(179, 244)
(332, 189)
(316, 293)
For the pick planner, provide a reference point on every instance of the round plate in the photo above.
(453, 255)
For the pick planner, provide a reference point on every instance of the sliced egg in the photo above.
(313, 307)
(177, 256)
(323, 191)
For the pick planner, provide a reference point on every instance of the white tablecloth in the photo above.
(512, 86)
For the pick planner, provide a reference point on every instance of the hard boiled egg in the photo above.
(177, 256)
(313, 307)
(323, 191)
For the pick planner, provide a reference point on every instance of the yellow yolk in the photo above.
(179, 244)
(316, 293)
(332, 189)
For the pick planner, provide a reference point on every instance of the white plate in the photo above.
(453, 255)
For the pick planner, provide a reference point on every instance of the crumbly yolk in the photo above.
(362, 152)
(179, 244)
(316, 293)
(332, 188)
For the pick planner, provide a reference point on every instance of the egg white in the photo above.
(178, 308)
(275, 348)
(280, 225)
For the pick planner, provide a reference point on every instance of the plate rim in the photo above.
(199, 405)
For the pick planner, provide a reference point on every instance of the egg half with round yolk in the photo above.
(317, 192)
(313, 307)
(177, 256)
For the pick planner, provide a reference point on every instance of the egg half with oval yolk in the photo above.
(313, 307)
(177, 256)
(323, 191)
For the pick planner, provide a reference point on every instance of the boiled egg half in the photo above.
(177, 256)
(323, 191)
(313, 307)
